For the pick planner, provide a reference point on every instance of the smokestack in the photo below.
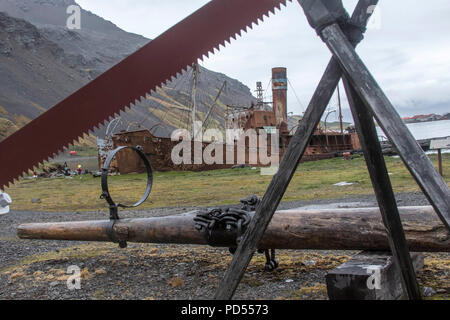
(279, 93)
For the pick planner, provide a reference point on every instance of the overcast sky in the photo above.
(407, 48)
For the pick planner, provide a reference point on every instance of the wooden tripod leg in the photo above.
(383, 190)
(288, 165)
(420, 166)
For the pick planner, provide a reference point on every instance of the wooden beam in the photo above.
(420, 166)
(370, 275)
(376, 165)
(288, 165)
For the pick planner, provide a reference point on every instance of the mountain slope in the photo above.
(58, 61)
(34, 75)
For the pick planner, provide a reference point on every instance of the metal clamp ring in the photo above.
(113, 207)
(106, 195)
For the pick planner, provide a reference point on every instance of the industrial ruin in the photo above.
(271, 117)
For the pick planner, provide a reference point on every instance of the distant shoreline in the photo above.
(422, 121)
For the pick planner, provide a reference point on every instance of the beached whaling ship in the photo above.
(268, 120)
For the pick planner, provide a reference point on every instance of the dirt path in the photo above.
(38, 269)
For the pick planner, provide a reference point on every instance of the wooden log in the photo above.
(369, 276)
(331, 229)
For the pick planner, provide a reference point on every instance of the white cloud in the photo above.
(409, 54)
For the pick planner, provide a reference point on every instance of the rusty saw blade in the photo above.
(129, 81)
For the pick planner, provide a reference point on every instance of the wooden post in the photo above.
(439, 144)
(340, 109)
(420, 166)
(441, 172)
(383, 190)
(288, 165)
(370, 275)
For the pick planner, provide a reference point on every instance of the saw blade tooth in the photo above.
(75, 141)
(128, 108)
(15, 180)
(95, 128)
(103, 123)
(47, 160)
(59, 151)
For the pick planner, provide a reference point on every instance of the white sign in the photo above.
(5, 201)
(440, 144)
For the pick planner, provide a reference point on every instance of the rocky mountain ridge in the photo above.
(42, 62)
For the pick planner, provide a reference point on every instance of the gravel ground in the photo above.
(38, 269)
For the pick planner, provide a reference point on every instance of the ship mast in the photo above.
(340, 108)
(194, 100)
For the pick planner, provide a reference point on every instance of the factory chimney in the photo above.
(279, 89)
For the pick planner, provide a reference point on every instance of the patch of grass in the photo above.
(312, 180)
(435, 274)
(317, 290)
(176, 282)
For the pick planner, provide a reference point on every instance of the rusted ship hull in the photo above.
(159, 151)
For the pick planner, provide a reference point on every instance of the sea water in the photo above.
(425, 130)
